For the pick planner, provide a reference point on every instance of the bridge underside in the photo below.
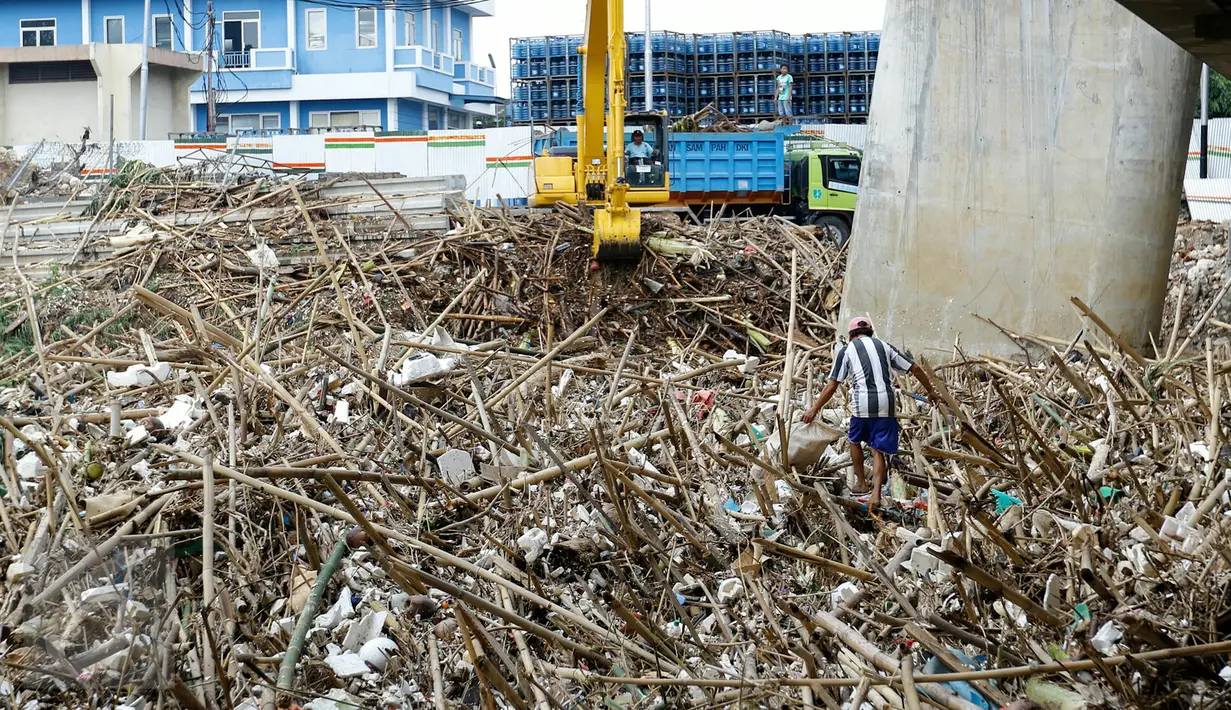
(1203, 27)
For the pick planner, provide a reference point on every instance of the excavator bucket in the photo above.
(617, 236)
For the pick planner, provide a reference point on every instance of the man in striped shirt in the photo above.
(868, 363)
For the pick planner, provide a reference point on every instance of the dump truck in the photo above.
(808, 179)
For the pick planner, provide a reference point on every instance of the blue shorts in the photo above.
(784, 108)
(881, 433)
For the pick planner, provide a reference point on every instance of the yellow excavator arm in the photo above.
(601, 171)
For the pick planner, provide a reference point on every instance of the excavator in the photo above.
(596, 172)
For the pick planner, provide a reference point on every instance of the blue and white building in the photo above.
(303, 64)
(274, 64)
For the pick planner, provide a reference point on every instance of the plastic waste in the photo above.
(532, 542)
(960, 688)
(376, 652)
(808, 442)
(729, 590)
(139, 375)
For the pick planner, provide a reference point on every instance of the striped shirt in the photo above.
(867, 362)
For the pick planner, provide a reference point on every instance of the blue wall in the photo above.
(410, 115)
(66, 12)
(341, 55)
(273, 20)
(307, 107)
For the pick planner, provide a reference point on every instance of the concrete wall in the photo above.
(57, 111)
(1019, 153)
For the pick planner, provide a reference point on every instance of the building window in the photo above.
(163, 32)
(241, 32)
(113, 30)
(236, 122)
(365, 28)
(315, 24)
(38, 33)
(343, 119)
(409, 26)
(435, 45)
(457, 44)
(457, 120)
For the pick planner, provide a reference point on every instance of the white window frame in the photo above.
(257, 20)
(375, 29)
(154, 30)
(435, 39)
(410, 27)
(459, 43)
(363, 114)
(106, 24)
(307, 29)
(261, 119)
(38, 31)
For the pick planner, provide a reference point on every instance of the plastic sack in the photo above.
(808, 442)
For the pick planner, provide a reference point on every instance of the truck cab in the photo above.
(824, 185)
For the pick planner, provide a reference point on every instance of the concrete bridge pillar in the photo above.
(1020, 152)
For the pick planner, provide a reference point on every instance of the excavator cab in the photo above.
(646, 166)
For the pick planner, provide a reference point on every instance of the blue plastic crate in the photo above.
(574, 43)
(859, 85)
(520, 49)
(726, 87)
(658, 41)
(874, 41)
(745, 42)
(765, 106)
(765, 85)
(836, 63)
(636, 43)
(872, 56)
(816, 106)
(521, 92)
(858, 62)
(538, 48)
(837, 85)
(747, 86)
(557, 46)
(816, 63)
(835, 43)
(747, 63)
(727, 106)
(837, 106)
(725, 43)
(705, 44)
(726, 66)
(799, 44)
(856, 43)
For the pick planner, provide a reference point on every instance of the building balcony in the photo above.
(422, 58)
(263, 68)
(474, 73)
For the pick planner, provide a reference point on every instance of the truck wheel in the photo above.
(833, 229)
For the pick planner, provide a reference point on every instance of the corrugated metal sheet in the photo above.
(508, 169)
(350, 152)
(1209, 200)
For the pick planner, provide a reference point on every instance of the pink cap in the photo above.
(857, 323)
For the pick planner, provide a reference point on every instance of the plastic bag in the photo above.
(807, 443)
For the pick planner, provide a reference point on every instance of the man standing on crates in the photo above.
(868, 363)
(785, 83)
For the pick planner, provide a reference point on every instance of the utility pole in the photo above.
(145, 70)
(649, 77)
(1205, 121)
(211, 106)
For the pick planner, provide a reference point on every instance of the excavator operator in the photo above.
(639, 153)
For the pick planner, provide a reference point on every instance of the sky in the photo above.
(536, 18)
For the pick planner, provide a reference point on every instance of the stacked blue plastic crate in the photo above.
(734, 71)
